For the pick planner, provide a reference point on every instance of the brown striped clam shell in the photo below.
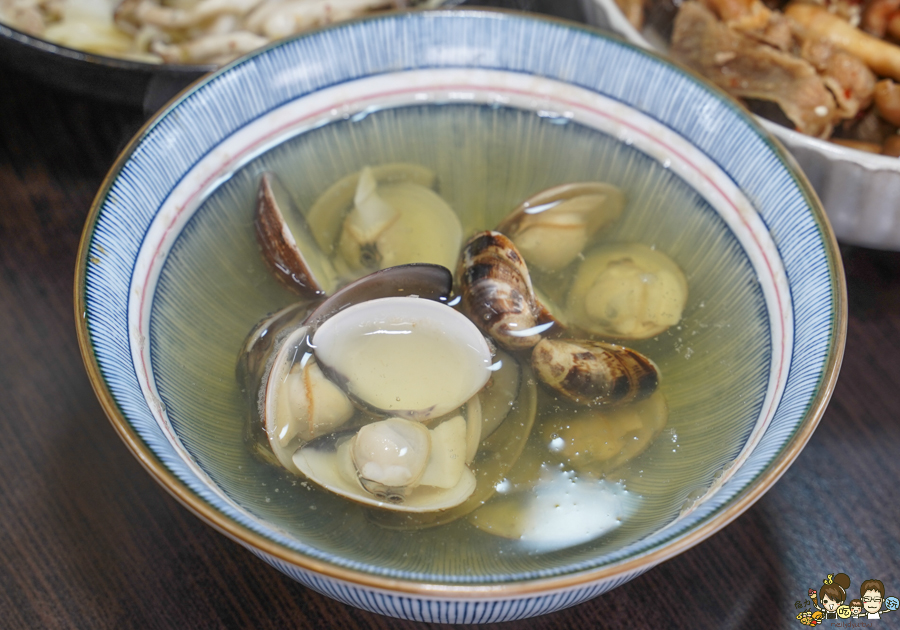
(496, 291)
(594, 373)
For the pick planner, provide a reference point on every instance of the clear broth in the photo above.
(214, 288)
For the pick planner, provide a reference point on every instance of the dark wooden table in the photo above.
(88, 540)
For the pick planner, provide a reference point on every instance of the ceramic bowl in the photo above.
(858, 189)
(500, 105)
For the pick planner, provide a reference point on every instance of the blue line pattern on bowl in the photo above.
(288, 70)
(443, 611)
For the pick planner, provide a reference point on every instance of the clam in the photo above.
(292, 402)
(261, 344)
(287, 243)
(553, 227)
(547, 505)
(391, 218)
(497, 293)
(497, 397)
(514, 400)
(326, 216)
(627, 291)
(345, 394)
(298, 402)
(422, 280)
(600, 439)
(404, 356)
(394, 463)
(591, 372)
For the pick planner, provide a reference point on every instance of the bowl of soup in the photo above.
(474, 318)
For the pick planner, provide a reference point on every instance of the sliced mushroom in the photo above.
(881, 56)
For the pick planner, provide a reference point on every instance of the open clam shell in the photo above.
(329, 463)
(326, 216)
(297, 402)
(423, 280)
(497, 454)
(277, 349)
(385, 216)
(497, 397)
(552, 227)
(404, 356)
(262, 343)
(287, 244)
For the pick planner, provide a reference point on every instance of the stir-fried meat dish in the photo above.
(825, 70)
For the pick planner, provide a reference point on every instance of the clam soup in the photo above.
(574, 490)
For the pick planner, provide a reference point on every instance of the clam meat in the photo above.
(390, 456)
(627, 291)
(389, 220)
(394, 463)
(553, 227)
(326, 216)
(299, 403)
(591, 372)
(509, 410)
